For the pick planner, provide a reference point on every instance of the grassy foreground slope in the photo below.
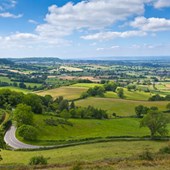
(90, 152)
(87, 128)
(67, 92)
(119, 106)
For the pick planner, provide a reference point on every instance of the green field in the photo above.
(86, 128)
(86, 85)
(33, 84)
(119, 106)
(90, 152)
(130, 95)
(5, 79)
(67, 92)
(17, 89)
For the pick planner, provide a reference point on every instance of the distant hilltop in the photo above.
(36, 60)
(5, 62)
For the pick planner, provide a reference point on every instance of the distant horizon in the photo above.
(98, 58)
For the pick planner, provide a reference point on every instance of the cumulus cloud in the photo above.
(91, 15)
(111, 35)
(10, 15)
(151, 24)
(162, 4)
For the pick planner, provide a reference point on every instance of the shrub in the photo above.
(28, 132)
(165, 150)
(146, 155)
(38, 160)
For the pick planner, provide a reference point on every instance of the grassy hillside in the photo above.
(67, 92)
(119, 106)
(17, 89)
(86, 128)
(130, 95)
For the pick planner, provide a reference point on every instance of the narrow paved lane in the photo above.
(12, 141)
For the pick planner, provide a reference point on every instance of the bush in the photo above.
(146, 155)
(165, 150)
(28, 132)
(38, 160)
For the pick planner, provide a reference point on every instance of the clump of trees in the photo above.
(141, 110)
(110, 86)
(23, 115)
(95, 91)
(100, 90)
(157, 97)
(88, 113)
(131, 87)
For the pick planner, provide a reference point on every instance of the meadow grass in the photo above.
(86, 128)
(86, 85)
(89, 152)
(67, 92)
(5, 79)
(130, 95)
(17, 89)
(119, 106)
(33, 84)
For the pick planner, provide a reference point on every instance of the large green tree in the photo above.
(34, 101)
(23, 115)
(156, 122)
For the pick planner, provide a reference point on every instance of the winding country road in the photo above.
(13, 142)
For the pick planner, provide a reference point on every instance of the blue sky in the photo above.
(84, 29)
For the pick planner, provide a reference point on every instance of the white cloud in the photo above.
(112, 35)
(91, 15)
(108, 48)
(32, 21)
(21, 36)
(10, 15)
(151, 24)
(162, 3)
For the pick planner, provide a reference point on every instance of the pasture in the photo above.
(67, 92)
(85, 129)
(86, 85)
(119, 106)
